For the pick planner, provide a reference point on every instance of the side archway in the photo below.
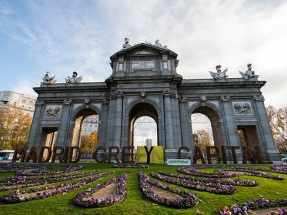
(77, 117)
(212, 112)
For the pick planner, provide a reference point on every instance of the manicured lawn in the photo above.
(135, 204)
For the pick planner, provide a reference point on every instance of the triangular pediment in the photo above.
(144, 49)
(143, 52)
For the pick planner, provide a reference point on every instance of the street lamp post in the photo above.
(5, 100)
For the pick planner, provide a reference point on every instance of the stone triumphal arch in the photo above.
(144, 82)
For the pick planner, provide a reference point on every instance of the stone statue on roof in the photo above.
(47, 80)
(126, 44)
(249, 73)
(218, 75)
(158, 44)
(74, 79)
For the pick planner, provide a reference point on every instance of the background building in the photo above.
(90, 124)
(26, 102)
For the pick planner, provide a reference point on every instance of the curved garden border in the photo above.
(48, 191)
(86, 200)
(210, 187)
(234, 182)
(262, 203)
(16, 182)
(188, 199)
(223, 173)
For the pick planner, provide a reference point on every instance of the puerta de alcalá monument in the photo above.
(144, 81)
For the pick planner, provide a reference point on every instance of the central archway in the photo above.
(214, 118)
(138, 111)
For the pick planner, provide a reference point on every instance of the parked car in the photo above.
(284, 160)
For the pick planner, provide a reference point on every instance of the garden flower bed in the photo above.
(218, 174)
(234, 182)
(46, 168)
(48, 191)
(16, 182)
(42, 170)
(230, 172)
(257, 204)
(130, 166)
(116, 193)
(197, 185)
(279, 168)
(186, 199)
(255, 172)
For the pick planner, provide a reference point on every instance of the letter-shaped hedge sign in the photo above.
(150, 154)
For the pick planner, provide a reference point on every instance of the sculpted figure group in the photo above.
(219, 75)
(47, 80)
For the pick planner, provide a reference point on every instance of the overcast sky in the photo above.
(65, 36)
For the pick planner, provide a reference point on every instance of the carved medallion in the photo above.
(53, 111)
(242, 108)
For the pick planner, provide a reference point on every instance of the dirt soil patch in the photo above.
(234, 172)
(105, 192)
(266, 211)
(162, 192)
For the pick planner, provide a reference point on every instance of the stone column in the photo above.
(35, 130)
(103, 124)
(111, 120)
(267, 145)
(64, 126)
(185, 125)
(168, 121)
(229, 136)
(177, 140)
(118, 120)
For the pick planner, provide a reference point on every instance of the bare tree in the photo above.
(278, 123)
(202, 138)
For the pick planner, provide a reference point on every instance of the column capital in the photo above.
(258, 98)
(39, 102)
(166, 93)
(225, 98)
(182, 99)
(105, 101)
(67, 102)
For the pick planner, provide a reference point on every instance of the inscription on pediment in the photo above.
(142, 64)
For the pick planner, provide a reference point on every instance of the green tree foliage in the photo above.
(278, 123)
(89, 142)
(14, 127)
(241, 138)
